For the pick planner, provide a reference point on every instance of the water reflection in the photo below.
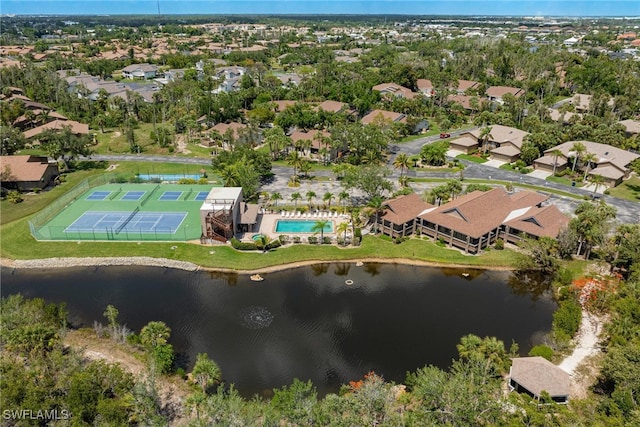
(307, 322)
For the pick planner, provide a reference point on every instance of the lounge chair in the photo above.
(281, 213)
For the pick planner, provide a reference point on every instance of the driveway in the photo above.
(494, 163)
(540, 174)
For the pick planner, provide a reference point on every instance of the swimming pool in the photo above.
(168, 177)
(300, 226)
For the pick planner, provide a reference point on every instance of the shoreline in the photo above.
(61, 262)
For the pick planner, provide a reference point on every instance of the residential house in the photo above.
(57, 125)
(234, 128)
(464, 86)
(632, 127)
(140, 71)
(533, 221)
(476, 220)
(464, 144)
(335, 107)
(504, 142)
(425, 87)
(282, 105)
(556, 116)
(392, 90)
(26, 173)
(230, 77)
(611, 163)
(291, 79)
(535, 375)
(399, 215)
(315, 137)
(384, 116)
(497, 93)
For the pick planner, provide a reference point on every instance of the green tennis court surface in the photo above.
(129, 212)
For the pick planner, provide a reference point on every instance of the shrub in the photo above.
(14, 197)
(313, 240)
(326, 240)
(120, 179)
(566, 319)
(136, 180)
(273, 244)
(499, 245)
(296, 239)
(542, 351)
(203, 180)
(283, 238)
(243, 246)
(385, 238)
(400, 239)
(187, 181)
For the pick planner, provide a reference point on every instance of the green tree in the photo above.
(375, 206)
(294, 198)
(578, 149)
(434, 154)
(206, 372)
(327, 198)
(294, 404)
(371, 180)
(275, 197)
(402, 162)
(310, 195)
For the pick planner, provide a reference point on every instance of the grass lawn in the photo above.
(628, 190)
(469, 157)
(564, 181)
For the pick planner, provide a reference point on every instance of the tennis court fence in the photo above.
(47, 214)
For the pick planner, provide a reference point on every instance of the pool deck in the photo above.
(267, 225)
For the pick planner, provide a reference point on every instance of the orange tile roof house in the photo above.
(426, 87)
(611, 163)
(465, 85)
(399, 215)
(27, 172)
(76, 128)
(334, 107)
(533, 375)
(476, 220)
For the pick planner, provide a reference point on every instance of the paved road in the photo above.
(628, 211)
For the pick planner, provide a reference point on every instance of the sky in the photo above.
(384, 7)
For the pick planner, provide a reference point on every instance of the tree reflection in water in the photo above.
(533, 283)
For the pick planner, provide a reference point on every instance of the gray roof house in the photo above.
(535, 375)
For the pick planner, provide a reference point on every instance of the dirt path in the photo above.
(586, 350)
(171, 390)
(181, 145)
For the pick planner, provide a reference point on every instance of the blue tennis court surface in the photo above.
(140, 222)
(202, 195)
(98, 195)
(133, 195)
(171, 195)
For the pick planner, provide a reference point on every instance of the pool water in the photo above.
(300, 226)
(256, 237)
(169, 177)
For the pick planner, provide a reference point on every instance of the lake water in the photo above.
(303, 323)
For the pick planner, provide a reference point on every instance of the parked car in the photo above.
(445, 135)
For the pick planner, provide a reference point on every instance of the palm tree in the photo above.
(485, 134)
(588, 159)
(295, 197)
(310, 195)
(342, 197)
(375, 205)
(294, 160)
(356, 222)
(318, 227)
(597, 181)
(402, 161)
(262, 242)
(342, 228)
(275, 197)
(327, 198)
(578, 148)
(455, 187)
(555, 153)
(206, 372)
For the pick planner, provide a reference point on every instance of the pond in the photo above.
(304, 323)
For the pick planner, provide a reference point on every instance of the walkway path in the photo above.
(586, 343)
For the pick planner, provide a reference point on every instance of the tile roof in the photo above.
(540, 221)
(333, 106)
(477, 213)
(404, 208)
(537, 374)
(76, 128)
(385, 115)
(25, 168)
(501, 91)
(465, 141)
(605, 153)
(501, 134)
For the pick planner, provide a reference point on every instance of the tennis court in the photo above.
(133, 195)
(141, 222)
(171, 196)
(98, 195)
(126, 212)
